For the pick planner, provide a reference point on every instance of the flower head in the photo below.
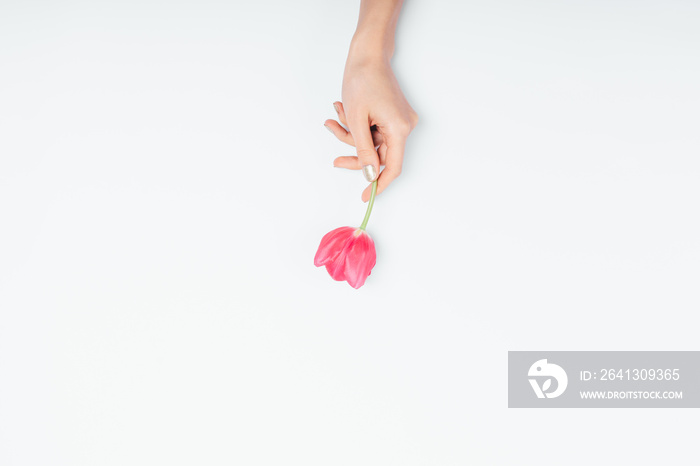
(348, 254)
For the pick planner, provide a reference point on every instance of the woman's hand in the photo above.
(374, 109)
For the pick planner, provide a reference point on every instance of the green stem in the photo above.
(370, 205)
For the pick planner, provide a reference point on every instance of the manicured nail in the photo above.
(337, 110)
(329, 129)
(369, 172)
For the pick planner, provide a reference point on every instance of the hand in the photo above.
(379, 119)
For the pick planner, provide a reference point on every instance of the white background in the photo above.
(165, 179)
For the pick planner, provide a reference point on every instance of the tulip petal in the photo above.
(335, 269)
(360, 257)
(331, 246)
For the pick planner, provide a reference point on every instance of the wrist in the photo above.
(371, 45)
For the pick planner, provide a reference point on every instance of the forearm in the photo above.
(376, 27)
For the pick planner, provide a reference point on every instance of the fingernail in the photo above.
(370, 172)
(329, 129)
(335, 106)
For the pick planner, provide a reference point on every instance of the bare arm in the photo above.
(374, 108)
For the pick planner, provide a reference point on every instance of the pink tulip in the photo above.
(348, 253)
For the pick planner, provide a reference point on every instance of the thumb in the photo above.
(369, 160)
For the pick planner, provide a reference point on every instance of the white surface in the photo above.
(165, 179)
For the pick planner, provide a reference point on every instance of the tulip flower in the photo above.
(348, 253)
